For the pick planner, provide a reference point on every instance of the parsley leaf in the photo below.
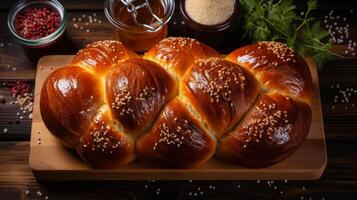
(278, 21)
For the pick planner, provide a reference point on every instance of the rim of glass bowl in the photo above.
(19, 6)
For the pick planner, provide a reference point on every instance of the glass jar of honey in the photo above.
(139, 24)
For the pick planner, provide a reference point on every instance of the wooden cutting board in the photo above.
(51, 161)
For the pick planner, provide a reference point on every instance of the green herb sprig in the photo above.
(278, 21)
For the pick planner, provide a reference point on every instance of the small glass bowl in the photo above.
(209, 34)
(136, 38)
(42, 42)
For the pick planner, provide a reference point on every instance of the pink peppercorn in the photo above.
(19, 88)
(37, 22)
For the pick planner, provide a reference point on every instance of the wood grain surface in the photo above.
(339, 180)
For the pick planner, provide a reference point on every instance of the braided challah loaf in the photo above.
(180, 104)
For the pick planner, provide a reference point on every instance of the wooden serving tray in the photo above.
(51, 161)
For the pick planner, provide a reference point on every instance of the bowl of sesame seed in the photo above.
(210, 20)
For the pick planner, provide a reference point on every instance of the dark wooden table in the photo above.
(340, 119)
